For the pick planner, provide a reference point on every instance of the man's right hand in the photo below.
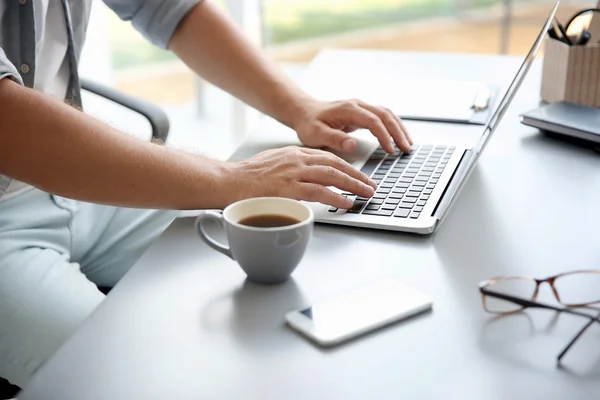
(297, 173)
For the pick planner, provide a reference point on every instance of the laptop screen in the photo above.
(514, 86)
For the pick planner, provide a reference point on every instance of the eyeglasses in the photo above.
(576, 31)
(572, 289)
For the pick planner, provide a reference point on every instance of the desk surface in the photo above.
(183, 324)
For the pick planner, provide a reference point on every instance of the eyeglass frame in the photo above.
(524, 303)
(559, 31)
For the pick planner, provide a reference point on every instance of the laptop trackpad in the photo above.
(366, 144)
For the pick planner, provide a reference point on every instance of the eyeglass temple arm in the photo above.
(533, 304)
(572, 342)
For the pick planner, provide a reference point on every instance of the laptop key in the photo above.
(409, 200)
(415, 215)
(376, 201)
(402, 213)
(383, 213)
(411, 193)
(378, 196)
(372, 207)
(388, 207)
(421, 202)
(392, 201)
(406, 205)
(418, 209)
(369, 167)
(427, 191)
(356, 207)
(424, 197)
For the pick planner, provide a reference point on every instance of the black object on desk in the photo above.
(567, 121)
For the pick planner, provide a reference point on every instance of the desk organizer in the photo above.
(571, 73)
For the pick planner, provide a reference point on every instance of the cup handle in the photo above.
(200, 228)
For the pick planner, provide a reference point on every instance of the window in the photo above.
(294, 31)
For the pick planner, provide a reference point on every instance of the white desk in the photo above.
(183, 324)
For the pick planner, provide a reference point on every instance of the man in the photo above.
(80, 201)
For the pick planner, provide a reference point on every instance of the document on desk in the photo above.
(429, 100)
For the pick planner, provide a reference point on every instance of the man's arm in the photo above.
(63, 151)
(215, 48)
(210, 43)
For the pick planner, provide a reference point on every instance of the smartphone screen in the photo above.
(359, 311)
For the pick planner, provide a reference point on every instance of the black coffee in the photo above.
(269, 221)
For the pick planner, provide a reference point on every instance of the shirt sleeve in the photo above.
(155, 19)
(7, 69)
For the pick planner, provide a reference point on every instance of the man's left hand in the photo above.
(327, 124)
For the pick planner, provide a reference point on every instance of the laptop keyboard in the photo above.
(404, 181)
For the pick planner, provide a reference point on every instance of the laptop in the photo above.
(567, 121)
(416, 189)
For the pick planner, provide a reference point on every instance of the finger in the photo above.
(321, 194)
(404, 129)
(329, 176)
(349, 128)
(338, 140)
(331, 160)
(391, 123)
(359, 116)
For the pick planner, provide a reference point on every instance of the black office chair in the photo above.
(160, 131)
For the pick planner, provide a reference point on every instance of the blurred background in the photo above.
(292, 32)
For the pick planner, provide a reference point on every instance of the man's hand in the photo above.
(237, 66)
(325, 124)
(297, 173)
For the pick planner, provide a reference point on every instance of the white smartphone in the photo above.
(341, 318)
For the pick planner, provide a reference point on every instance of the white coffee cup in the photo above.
(266, 254)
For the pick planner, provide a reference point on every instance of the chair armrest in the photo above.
(157, 117)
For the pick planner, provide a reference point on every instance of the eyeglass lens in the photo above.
(578, 26)
(517, 287)
(578, 288)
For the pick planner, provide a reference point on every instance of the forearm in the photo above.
(215, 48)
(63, 151)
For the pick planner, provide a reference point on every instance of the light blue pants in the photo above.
(54, 252)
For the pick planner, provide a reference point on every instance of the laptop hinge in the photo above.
(459, 176)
